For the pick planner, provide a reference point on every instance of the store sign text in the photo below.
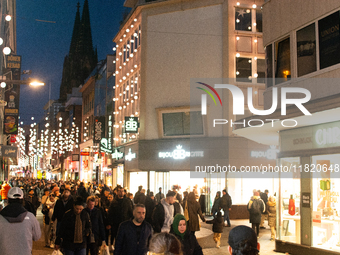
(269, 154)
(104, 145)
(327, 136)
(117, 155)
(130, 155)
(131, 125)
(180, 153)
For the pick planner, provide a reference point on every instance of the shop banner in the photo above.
(131, 125)
(8, 151)
(99, 129)
(12, 95)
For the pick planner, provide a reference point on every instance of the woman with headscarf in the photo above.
(194, 209)
(189, 242)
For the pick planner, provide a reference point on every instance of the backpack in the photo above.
(256, 207)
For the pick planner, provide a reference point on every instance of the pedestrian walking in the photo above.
(18, 226)
(189, 244)
(194, 210)
(271, 205)
(226, 204)
(264, 216)
(217, 228)
(255, 208)
(159, 196)
(163, 214)
(75, 227)
(134, 235)
(216, 206)
(97, 235)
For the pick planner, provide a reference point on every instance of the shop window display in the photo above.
(289, 209)
(326, 206)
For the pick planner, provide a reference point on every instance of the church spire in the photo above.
(76, 33)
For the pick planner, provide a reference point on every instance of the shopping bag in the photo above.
(104, 250)
(57, 252)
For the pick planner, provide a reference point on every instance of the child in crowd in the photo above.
(217, 228)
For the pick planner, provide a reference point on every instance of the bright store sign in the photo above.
(269, 154)
(131, 124)
(180, 153)
(105, 145)
(130, 155)
(117, 155)
(327, 136)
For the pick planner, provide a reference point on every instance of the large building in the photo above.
(164, 48)
(302, 51)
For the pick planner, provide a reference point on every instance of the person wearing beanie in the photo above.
(243, 241)
(188, 240)
(74, 229)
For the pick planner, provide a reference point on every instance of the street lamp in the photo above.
(36, 83)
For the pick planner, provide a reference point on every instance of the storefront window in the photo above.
(259, 21)
(306, 50)
(282, 61)
(289, 207)
(329, 40)
(269, 65)
(261, 70)
(326, 206)
(120, 175)
(137, 179)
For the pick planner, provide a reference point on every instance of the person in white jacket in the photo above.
(19, 227)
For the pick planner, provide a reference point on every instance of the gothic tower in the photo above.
(82, 58)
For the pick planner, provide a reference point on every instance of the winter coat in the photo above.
(4, 191)
(264, 198)
(194, 208)
(120, 210)
(98, 228)
(190, 246)
(60, 208)
(82, 193)
(216, 205)
(161, 219)
(226, 202)
(19, 228)
(127, 243)
(271, 213)
(67, 229)
(159, 197)
(149, 206)
(255, 216)
(218, 224)
(34, 200)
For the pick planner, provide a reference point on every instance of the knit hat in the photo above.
(243, 238)
(175, 224)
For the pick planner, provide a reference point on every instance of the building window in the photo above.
(261, 70)
(306, 50)
(243, 69)
(178, 123)
(329, 40)
(124, 53)
(259, 21)
(243, 19)
(282, 61)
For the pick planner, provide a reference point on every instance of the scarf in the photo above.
(78, 230)
(175, 224)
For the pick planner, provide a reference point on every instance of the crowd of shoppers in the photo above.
(83, 218)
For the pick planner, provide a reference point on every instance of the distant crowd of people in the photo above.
(83, 219)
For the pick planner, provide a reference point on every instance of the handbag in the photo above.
(56, 252)
(104, 250)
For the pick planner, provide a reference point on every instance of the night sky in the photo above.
(44, 45)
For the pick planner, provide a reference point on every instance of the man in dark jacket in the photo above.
(120, 210)
(98, 229)
(33, 199)
(74, 229)
(63, 204)
(225, 204)
(134, 235)
(264, 197)
(149, 206)
(82, 191)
